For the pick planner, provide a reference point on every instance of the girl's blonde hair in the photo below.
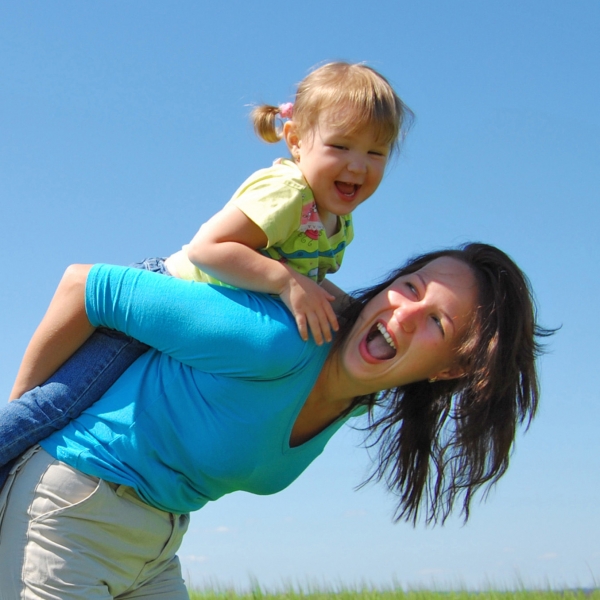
(354, 97)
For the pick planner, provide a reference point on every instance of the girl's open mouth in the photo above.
(347, 189)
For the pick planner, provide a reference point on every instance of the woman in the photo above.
(232, 399)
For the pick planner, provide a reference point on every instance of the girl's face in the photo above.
(410, 331)
(342, 169)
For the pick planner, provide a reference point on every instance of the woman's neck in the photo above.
(326, 402)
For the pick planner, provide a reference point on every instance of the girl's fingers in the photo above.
(302, 328)
(314, 322)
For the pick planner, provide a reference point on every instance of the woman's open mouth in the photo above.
(380, 344)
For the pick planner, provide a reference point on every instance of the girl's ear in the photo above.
(292, 139)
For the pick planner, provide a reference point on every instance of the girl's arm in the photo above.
(64, 328)
(226, 248)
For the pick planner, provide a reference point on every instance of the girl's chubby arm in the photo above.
(226, 248)
(64, 328)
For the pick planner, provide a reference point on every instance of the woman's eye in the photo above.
(438, 322)
(411, 287)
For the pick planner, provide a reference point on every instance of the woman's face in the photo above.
(409, 332)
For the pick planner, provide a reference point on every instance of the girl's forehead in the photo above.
(344, 117)
(349, 125)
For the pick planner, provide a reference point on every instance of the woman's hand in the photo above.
(64, 328)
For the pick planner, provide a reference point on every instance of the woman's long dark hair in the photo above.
(440, 442)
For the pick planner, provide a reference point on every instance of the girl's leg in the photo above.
(81, 381)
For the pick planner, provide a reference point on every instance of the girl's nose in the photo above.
(357, 165)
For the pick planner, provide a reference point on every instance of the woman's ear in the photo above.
(449, 373)
(292, 139)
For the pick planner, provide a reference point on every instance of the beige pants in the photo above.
(68, 536)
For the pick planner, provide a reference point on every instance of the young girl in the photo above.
(283, 231)
(342, 127)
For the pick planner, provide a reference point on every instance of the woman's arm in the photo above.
(64, 328)
(211, 328)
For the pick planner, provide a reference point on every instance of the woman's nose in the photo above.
(408, 316)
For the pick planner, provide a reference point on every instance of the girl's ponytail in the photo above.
(264, 119)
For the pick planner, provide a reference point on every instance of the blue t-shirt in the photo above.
(211, 410)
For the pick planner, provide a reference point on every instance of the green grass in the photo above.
(368, 594)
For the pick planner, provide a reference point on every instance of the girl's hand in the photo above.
(311, 306)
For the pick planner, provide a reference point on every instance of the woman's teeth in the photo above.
(386, 336)
(380, 344)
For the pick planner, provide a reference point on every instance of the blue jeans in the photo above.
(81, 381)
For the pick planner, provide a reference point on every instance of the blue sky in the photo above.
(123, 126)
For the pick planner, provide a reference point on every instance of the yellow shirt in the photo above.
(280, 202)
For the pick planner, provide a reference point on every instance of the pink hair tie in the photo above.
(286, 110)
